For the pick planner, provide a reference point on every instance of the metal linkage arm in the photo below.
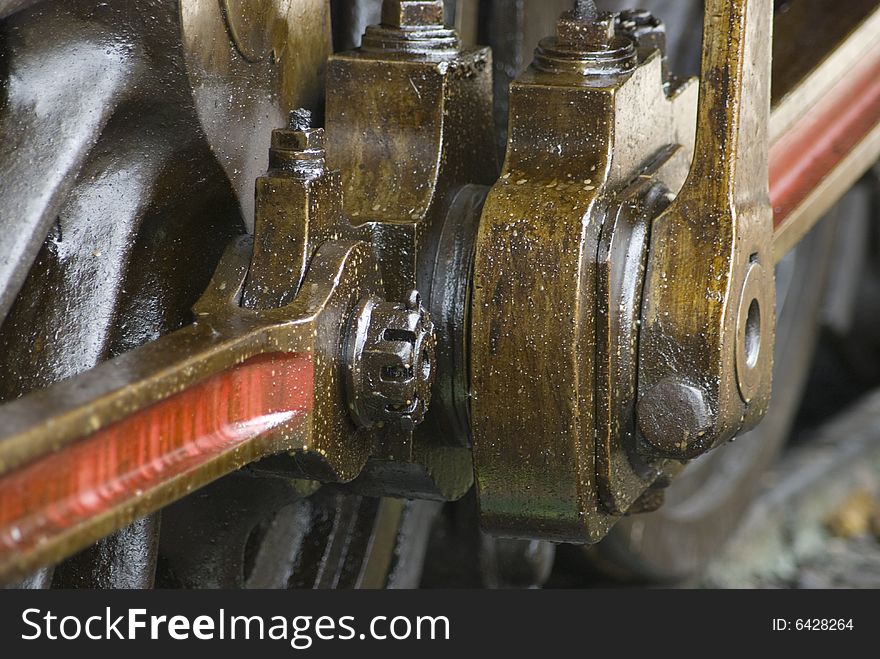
(706, 340)
(92, 453)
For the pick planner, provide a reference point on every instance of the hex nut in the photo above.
(573, 33)
(412, 13)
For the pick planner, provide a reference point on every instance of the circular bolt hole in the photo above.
(753, 334)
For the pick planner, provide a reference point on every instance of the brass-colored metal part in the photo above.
(409, 124)
(563, 342)
(298, 206)
(645, 28)
(534, 312)
(412, 27)
(265, 302)
(302, 298)
(224, 335)
(586, 44)
(710, 269)
(622, 253)
(406, 130)
(250, 62)
(412, 13)
(450, 303)
(389, 362)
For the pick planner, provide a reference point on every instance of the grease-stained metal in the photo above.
(105, 116)
(267, 379)
(249, 63)
(305, 412)
(409, 124)
(708, 311)
(623, 246)
(534, 322)
(609, 318)
(298, 207)
(406, 129)
(389, 362)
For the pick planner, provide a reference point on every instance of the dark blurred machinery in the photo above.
(215, 384)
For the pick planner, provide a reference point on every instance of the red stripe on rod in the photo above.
(120, 463)
(820, 140)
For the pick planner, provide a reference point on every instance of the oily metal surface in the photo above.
(125, 559)
(225, 335)
(253, 530)
(103, 141)
(249, 64)
(706, 501)
(64, 87)
(406, 130)
(270, 305)
(622, 473)
(449, 294)
(704, 504)
(297, 198)
(707, 321)
(533, 311)
(438, 180)
(409, 124)
(117, 267)
(513, 29)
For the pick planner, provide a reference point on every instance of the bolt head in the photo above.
(412, 13)
(574, 33)
(674, 418)
(309, 139)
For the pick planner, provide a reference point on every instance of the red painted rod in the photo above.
(132, 458)
(821, 139)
